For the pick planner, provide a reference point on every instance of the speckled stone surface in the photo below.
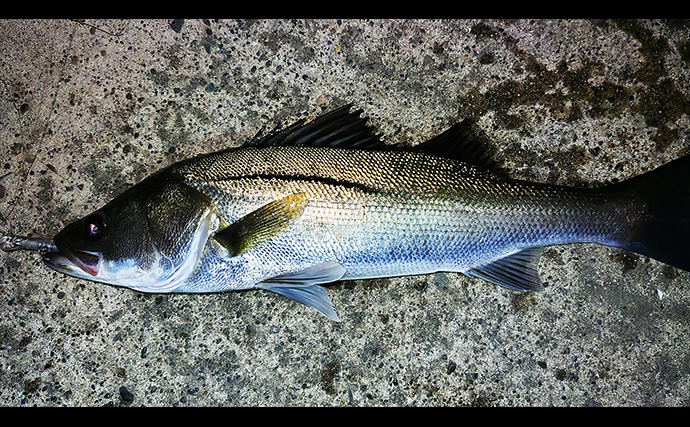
(90, 108)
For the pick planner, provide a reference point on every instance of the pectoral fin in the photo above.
(303, 287)
(261, 225)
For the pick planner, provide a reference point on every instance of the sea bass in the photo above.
(327, 200)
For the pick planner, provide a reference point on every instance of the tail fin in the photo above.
(662, 230)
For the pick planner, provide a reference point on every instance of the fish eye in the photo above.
(94, 226)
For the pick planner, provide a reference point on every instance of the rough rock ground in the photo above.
(89, 108)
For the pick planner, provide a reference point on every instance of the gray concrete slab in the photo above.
(88, 109)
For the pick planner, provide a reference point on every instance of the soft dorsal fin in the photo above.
(517, 271)
(339, 128)
(464, 141)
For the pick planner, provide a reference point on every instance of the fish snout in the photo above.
(73, 262)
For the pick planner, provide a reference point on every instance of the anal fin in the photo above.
(303, 287)
(517, 271)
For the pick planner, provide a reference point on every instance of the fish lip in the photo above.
(64, 259)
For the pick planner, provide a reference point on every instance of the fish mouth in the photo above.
(72, 261)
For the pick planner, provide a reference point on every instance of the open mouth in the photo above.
(71, 261)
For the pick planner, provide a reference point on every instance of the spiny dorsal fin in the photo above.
(517, 271)
(343, 128)
(464, 141)
(261, 225)
(339, 128)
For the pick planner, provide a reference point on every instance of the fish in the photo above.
(326, 200)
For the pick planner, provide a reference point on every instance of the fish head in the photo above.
(148, 238)
(116, 232)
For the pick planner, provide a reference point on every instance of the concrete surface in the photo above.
(89, 108)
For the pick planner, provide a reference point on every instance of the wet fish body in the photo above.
(327, 200)
(380, 214)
